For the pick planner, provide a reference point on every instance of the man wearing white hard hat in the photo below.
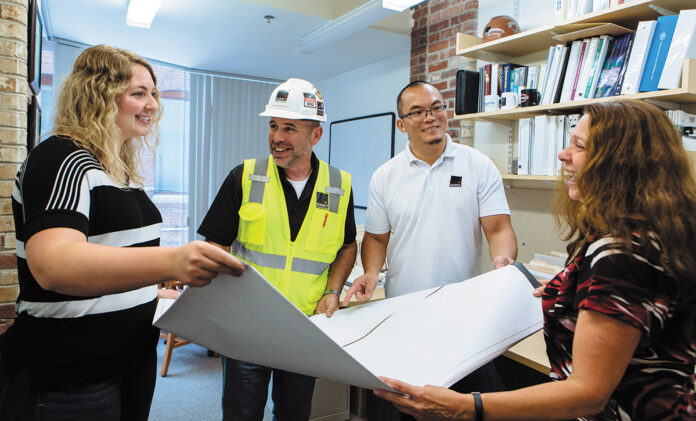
(291, 217)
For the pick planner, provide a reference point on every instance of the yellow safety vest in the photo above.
(298, 269)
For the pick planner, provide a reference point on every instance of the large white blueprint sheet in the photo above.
(435, 336)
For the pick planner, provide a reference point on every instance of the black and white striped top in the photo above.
(71, 340)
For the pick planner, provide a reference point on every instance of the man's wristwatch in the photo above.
(332, 291)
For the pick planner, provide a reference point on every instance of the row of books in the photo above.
(539, 140)
(571, 9)
(606, 65)
(507, 77)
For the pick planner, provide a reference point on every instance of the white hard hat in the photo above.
(296, 99)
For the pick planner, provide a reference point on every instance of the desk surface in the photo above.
(531, 352)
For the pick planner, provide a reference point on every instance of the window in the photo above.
(166, 174)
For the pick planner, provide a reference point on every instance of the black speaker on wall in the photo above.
(467, 93)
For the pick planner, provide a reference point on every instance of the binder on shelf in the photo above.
(639, 53)
(551, 152)
(683, 46)
(539, 146)
(547, 72)
(556, 95)
(523, 141)
(657, 55)
(560, 142)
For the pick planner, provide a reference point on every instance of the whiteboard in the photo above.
(360, 145)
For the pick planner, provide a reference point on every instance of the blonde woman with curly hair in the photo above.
(88, 255)
(619, 321)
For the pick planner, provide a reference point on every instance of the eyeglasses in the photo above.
(418, 115)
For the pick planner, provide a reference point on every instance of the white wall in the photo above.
(371, 89)
(530, 209)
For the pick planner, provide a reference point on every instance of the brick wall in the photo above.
(13, 124)
(433, 47)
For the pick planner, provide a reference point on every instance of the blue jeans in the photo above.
(245, 389)
(126, 397)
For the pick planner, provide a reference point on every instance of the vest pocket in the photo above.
(252, 223)
(324, 232)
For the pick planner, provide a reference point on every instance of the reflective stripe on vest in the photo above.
(335, 189)
(268, 260)
(258, 181)
(308, 266)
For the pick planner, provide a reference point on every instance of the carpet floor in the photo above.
(192, 388)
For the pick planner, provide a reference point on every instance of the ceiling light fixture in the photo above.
(351, 22)
(142, 12)
(399, 5)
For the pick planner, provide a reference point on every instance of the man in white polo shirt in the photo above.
(433, 198)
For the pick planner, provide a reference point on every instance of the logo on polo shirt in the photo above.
(456, 181)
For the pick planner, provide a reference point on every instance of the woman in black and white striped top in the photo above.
(83, 345)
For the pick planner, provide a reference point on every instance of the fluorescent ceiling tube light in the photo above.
(399, 5)
(142, 12)
(345, 25)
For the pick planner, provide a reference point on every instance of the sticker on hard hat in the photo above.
(319, 95)
(310, 101)
(282, 96)
(320, 107)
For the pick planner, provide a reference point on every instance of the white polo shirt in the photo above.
(433, 214)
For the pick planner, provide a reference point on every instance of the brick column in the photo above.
(433, 52)
(14, 94)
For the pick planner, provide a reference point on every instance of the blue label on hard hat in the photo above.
(320, 107)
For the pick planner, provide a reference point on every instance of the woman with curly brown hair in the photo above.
(83, 345)
(619, 321)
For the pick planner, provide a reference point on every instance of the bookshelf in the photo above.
(510, 48)
(532, 46)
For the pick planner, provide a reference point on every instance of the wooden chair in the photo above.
(167, 294)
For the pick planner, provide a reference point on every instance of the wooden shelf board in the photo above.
(515, 177)
(536, 182)
(679, 95)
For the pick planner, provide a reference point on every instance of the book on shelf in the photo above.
(586, 67)
(657, 54)
(577, 53)
(505, 76)
(518, 80)
(553, 73)
(610, 77)
(495, 88)
(599, 58)
(624, 66)
(683, 46)
(638, 56)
